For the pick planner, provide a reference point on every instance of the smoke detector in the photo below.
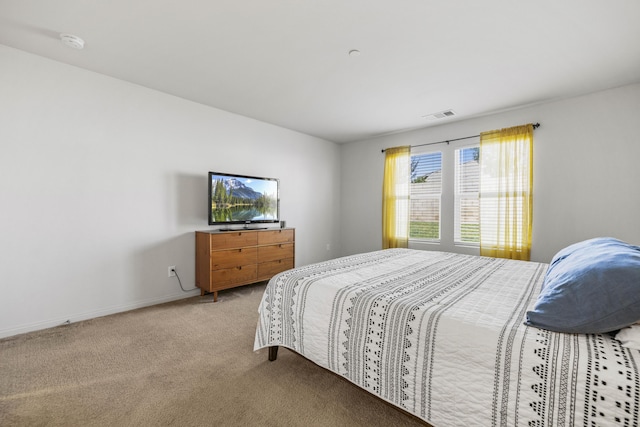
(440, 115)
(72, 41)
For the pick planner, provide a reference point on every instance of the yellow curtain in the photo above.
(395, 197)
(506, 185)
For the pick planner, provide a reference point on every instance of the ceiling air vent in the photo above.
(440, 115)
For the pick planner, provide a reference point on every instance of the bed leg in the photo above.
(273, 353)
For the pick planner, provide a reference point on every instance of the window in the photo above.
(467, 201)
(444, 197)
(425, 196)
(451, 187)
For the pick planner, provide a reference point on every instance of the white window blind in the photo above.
(467, 201)
(505, 198)
(425, 196)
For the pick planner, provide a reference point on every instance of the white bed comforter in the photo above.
(441, 336)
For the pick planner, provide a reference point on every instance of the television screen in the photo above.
(242, 199)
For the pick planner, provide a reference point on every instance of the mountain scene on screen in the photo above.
(232, 200)
(235, 188)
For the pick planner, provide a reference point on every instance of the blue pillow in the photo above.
(590, 287)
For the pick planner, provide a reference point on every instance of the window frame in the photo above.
(446, 242)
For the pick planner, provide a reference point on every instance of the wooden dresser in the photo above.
(227, 259)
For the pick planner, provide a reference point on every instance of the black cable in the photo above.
(180, 283)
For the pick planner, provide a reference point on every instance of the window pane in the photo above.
(467, 203)
(426, 190)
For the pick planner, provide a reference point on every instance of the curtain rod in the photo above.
(535, 126)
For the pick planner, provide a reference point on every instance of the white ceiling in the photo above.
(286, 62)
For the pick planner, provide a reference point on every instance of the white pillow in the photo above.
(630, 336)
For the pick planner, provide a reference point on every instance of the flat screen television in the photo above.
(243, 199)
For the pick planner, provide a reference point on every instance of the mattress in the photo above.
(441, 336)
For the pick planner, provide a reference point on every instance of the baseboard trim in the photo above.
(78, 317)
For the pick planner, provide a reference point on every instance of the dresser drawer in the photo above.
(267, 270)
(275, 236)
(236, 239)
(275, 252)
(233, 258)
(228, 277)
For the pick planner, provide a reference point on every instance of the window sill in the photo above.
(466, 245)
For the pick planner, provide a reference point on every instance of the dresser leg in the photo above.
(215, 296)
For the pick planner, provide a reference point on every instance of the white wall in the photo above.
(586, 171)
(103, 184)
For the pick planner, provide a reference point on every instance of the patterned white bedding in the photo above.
(441, 336)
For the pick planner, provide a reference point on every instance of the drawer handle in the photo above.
(239, 267)
(240, 250)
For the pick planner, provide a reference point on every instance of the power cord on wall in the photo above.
(180, 281)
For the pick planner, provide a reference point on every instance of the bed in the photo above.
(442, 336)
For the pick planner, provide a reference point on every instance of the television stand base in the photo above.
(243, 229)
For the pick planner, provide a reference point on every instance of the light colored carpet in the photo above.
(186, 363)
